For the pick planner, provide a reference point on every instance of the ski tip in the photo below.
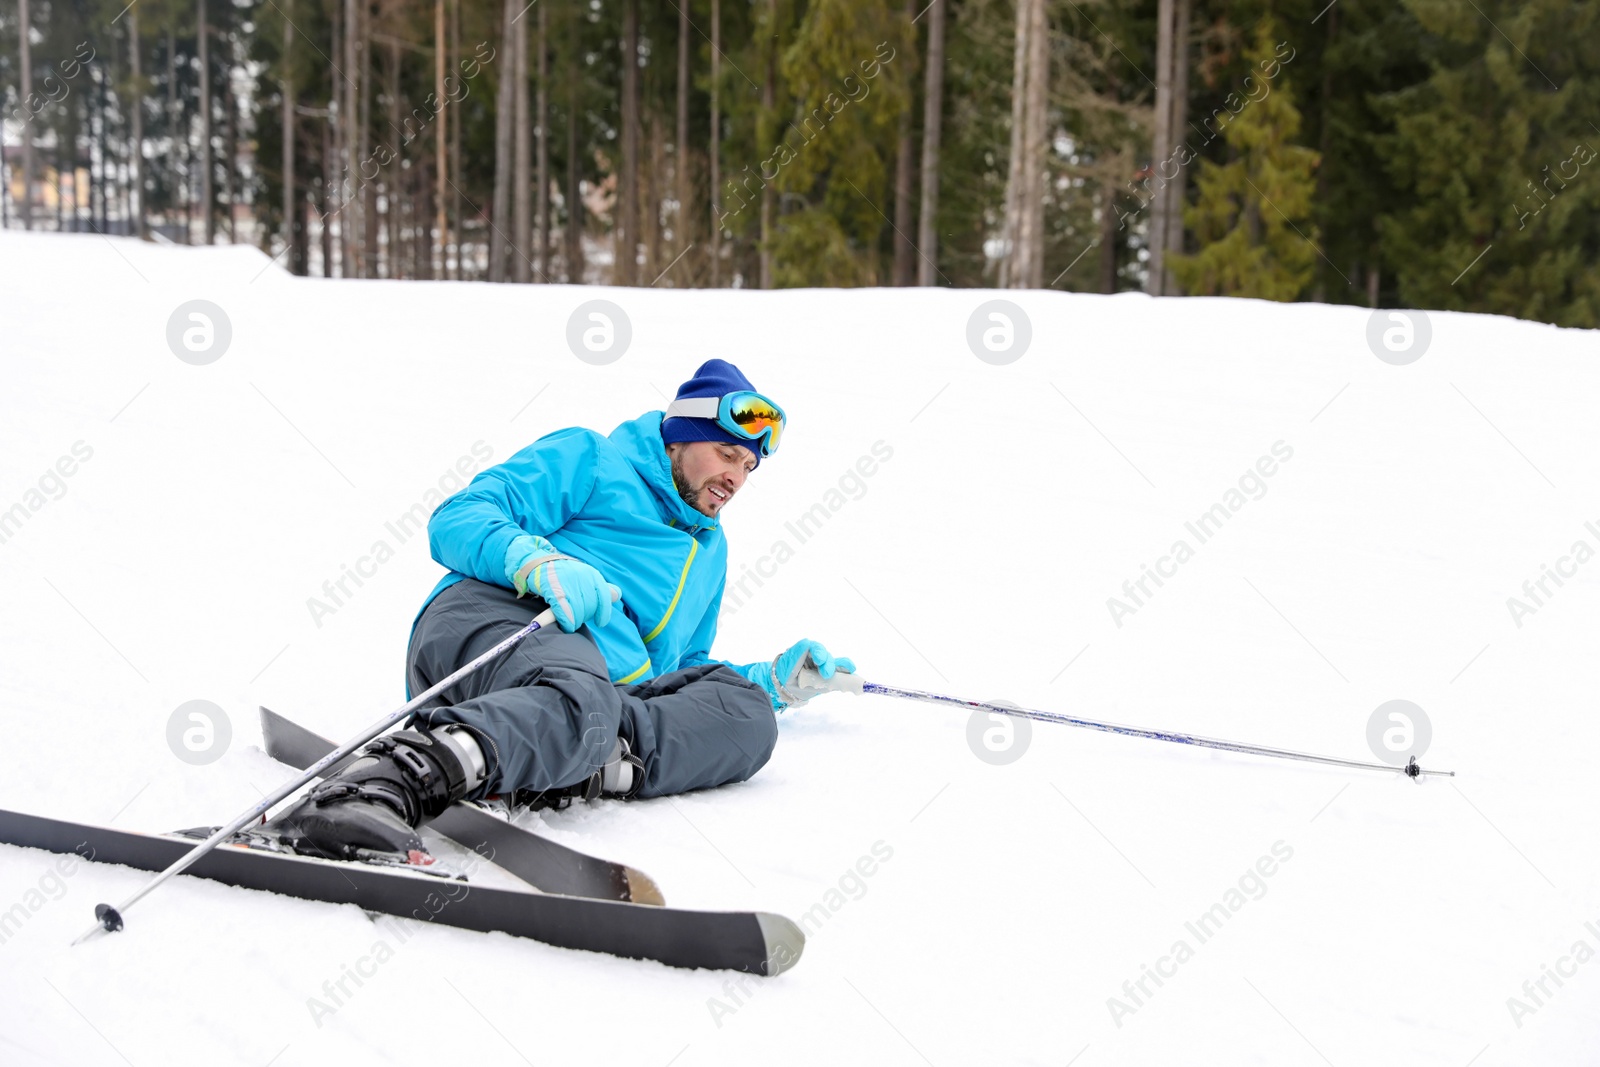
(785, 942)
(642, 889)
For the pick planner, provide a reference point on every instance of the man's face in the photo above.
(708, 473)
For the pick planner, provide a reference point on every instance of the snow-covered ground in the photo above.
(969, 522)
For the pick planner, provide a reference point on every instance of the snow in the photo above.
(1005, 905)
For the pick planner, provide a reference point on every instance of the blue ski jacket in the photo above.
(609, 501)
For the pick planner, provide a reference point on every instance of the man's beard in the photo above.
(690, 495)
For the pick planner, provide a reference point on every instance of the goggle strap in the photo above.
(694, 407)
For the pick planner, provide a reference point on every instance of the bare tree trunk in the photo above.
(230, 136)
(350, 218)
(367, 185)
(521, 158)
(1108, 233)
(100, 78)
(97, 150)
(768, 126)
(407, 194)
(541, 120)
(174, 186)
(109, 100)
(932, 127)
(91, 132)
(124, 190)
(64, 155)
(300, 256)
(1023, 267)
(422, 211)
(63, 147)
(905, 250)
(393, 177)
(336, 123)
(441, 223)
(574, 251)
(716, 145)
(456, 237)
(136, 101)
(651, 213)
(26, 47)
(1031, 268)
(500, 210)
(71, 148)
(208, 213)
(1014, 174)
(1160, 149)
(124, 183)
(681, 237)
(83, 131)
(325, 196)
(63, 160)
(626, 227)
(1176, 135)
(286, 95)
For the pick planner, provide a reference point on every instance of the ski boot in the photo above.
(375, 804)
(620, 777)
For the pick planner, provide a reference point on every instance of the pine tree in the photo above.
(1499, 150)
(835, 155)
(1251, 216)
(1368, 48)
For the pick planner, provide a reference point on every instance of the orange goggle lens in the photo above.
(755, 417)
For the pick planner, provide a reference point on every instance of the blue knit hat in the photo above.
(715, 378)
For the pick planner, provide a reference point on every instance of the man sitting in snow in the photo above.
(624, 698)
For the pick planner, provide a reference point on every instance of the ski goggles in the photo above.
(744, 414)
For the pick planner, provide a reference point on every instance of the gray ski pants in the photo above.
(548, 716)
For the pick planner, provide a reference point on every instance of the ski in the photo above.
(539, 861)
(754, 942)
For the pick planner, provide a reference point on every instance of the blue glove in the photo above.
(780, 674)
(575, 591)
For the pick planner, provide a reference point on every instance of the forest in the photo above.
(1385, 153)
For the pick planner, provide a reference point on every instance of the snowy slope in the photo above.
(178, 562)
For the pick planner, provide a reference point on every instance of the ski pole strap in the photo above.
(527, 569)
(1411, 770)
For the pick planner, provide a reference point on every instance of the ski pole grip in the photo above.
(810, 681)
(847, 682)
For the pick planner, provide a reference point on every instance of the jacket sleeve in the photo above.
(534, 492)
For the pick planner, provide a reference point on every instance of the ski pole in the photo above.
(109, 918)
(844, 682)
